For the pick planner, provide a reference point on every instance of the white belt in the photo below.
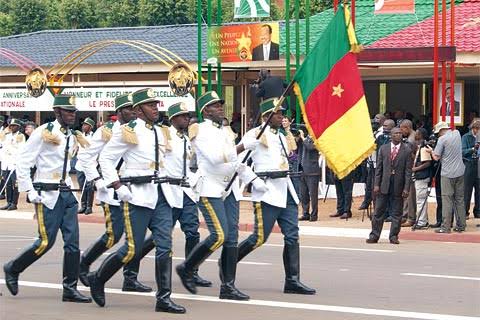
(48, 175)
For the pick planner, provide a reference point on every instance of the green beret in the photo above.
(207, 99)
(89, 121)
(122, 101)
(268, 105)
(177, 109)
(15, 122)
(143, 96)
(64, 101)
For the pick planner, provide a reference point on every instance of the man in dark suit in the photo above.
(456, 112)
(268, 50)
(392, 184)
(309, 181)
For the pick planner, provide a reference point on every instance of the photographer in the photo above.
(449, 151)
(421, 172)
(470, 159)
(269, 86)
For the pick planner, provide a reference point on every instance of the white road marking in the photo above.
(338, 232)
(275, 304)
(209, 260)
(334, 248)
(427, 275)
(5, 238)
(17, 215)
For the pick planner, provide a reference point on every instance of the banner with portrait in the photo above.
(244, 42)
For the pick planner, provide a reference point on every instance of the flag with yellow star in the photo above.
(330, 92)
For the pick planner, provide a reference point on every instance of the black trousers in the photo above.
(344, 188)
(471, 182)
(396, 207)
(309, 194)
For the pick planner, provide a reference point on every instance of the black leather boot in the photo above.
(88, 257)
(244, 249)
(14, 267)
(97, 279)
(163, 276)
(89, 201)
(130, 275)
(71, 266)
(15, 195)
(304, 217)
(83, 201)
(229, 268)
(5, 207)
(186, 269)
(130, 271)
(291, 263)
(199, 281)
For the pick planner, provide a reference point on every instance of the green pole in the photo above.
(307, 27)
(209, 23)
(199, 52)
(297, 52)
(219, 65)
(287, 51)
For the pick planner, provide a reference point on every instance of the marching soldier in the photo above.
(141, 145)
(87, 188)
(87, 159)
(217, 163)
(48, 149)
(279, 202)
(12, 144)
(184, 200)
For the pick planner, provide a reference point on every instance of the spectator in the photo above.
(469, 151)
(392, 184)
(309, 180)
(409, 205)
(449, 151)
(421, 172)
(270, 86)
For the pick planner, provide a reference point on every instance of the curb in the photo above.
(404, 235)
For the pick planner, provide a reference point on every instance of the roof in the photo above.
(467, 31)
(369, 27)
(47, 47)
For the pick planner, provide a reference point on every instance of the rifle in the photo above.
(53, 186)
(155, 179)
(262, 130)
(278, 174)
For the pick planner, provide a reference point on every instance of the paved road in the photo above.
(416, 280)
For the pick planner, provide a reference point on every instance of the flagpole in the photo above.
(199, 53)
(287, 49)
(297, 54)
(452, 64)
(435, 61)
(219, 64)
(264, 127)
(209, 23)
(444, 66)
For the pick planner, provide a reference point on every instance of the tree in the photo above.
(6, 24)
(55, 20)
(163, 12)
(28, 15)
(79, 14)
(123, 13)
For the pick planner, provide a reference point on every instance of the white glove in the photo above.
(259, 185)
(34, 197)
(250, 143)
(101, 185)
(240, 167)
(124, 194)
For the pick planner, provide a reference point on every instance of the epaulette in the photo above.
(263, 138)
(128, 132)
(107, 131)
(82, 141)
(2, 135)
(193, 130)
(166, 137)
(20, 137)
(48, 136)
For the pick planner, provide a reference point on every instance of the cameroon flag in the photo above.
(330, 93)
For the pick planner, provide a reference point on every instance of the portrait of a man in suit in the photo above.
(448, 104)
(267, 50)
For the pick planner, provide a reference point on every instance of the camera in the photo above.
(295, 129)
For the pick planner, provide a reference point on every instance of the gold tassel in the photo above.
(2, 135)
(166, 137)
(20, 138)
(355, 47)
(193, 131)
(49, 137)
(106, 133)
(129, 135)
(82, 141)
(263, 138)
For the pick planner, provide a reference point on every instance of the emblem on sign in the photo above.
(180, 79)
(36, 82)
